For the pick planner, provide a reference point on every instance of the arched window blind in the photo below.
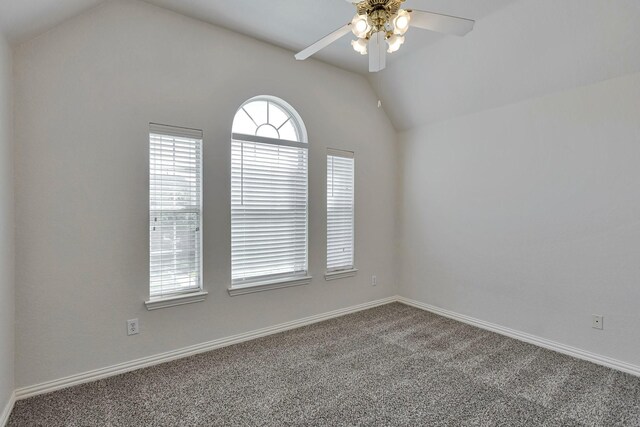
(340, 210)
(269, 193)
(175, 211)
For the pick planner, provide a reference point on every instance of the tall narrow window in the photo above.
(175, 211)
(269, 193)
(340, 210)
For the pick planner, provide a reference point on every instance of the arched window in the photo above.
(269, 196)
(269, 117)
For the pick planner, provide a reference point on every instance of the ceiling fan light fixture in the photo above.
(379, 21)
(360, 26)
(360, 46)
(395, 41)
(401, 22)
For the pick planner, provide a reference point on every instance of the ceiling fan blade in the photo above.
(377, 52)
(441, 23)
(324, 42)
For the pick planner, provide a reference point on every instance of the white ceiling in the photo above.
(291, 24)
(508, 58)
(295, 24)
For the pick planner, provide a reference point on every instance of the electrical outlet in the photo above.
(374, 280)
(133, 327)
(598, 322)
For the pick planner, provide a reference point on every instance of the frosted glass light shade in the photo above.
(395, 41)
(360, 26)
(360, 46)
(401, 22)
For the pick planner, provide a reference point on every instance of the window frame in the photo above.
(341, 272)
(280, 280)
(186, 296)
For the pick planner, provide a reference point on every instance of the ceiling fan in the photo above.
(380, 26)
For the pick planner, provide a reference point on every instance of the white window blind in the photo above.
(269, 193)
(268, 209)
(175, 210)
(340, 210)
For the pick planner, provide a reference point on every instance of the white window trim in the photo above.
(265, 140)
(352, 270)
(268, 285)
(176, 300)
(340, 274)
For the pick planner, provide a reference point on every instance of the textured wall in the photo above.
(85, 94)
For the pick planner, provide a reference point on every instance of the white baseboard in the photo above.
(4, 416)
(97, 374)
(531, 339)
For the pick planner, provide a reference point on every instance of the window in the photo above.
(340, 211)
(175, 211)
(269, 195)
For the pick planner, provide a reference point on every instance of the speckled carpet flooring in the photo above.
(388, 366)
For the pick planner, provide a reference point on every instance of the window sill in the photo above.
(173, 301)
(342, 274)
(254, 287)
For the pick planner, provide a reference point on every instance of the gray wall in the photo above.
(7, 300)
(528, 216)
(85, 94)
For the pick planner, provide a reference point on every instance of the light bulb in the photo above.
(395, 41)
(360, 26)
(401, 22)
(360, 46)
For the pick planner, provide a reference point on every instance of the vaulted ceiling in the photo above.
(519, 49)
(528, 49)
(295, 24)
(291, 24)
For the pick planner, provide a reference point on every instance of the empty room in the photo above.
(319, 213)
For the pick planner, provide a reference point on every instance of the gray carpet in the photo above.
(389, 366)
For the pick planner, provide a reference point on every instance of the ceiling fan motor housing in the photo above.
(379, 11)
